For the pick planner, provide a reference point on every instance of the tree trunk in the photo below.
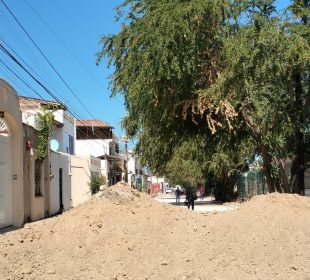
(267, 164)
(299, 187)
(228, 188)
(267, 159)
(284, 179)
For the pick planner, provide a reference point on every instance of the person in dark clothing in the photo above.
(191, 196)
(177, 195)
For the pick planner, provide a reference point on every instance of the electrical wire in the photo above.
(63, 44)
(47, 60)
(35, 105)
(19, 64)
(36, 80)
(11, 56)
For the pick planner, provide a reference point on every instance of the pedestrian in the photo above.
(177, 195)
(202, 192)
(191, 196)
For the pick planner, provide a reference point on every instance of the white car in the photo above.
(169, 190)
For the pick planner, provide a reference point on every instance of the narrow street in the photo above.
(206, 205)
(122, 234)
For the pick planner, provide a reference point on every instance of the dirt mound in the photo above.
(120, 193)
(123, 234)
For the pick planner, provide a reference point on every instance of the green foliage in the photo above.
(162, 58)
(45, 127)
(95, 182)
(210, 84)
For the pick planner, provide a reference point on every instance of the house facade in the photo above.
(11, 158)
(82, 168)
(96, 138)
(64, 132)
(33, 188)
(57, 173)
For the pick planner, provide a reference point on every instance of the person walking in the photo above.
(177, 195)
(202, 192)
(191, 196)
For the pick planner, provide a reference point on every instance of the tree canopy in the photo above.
(209, 85)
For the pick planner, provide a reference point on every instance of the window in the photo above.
(116, 148)
(70, 145)
(4, 129)
(37, 177)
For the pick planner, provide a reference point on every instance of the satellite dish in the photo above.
(54, 145)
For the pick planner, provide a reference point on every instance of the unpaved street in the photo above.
(127, 235)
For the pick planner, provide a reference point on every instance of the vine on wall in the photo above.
(45, 127)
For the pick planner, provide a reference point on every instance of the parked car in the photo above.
(169, 190)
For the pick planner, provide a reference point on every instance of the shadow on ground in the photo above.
(7, 230)
(198, 202)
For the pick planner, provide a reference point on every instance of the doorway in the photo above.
(5, 181)
(61, 206)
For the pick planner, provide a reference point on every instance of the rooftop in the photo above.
(92, 123)
(42, 101)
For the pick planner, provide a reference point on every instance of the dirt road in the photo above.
(126, 235)
(208, 204)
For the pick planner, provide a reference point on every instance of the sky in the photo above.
(78, 25)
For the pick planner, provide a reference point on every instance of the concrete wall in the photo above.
(131, 165)
(104, 169)
(68, 129)
(36, 207)
(60, 161)
(81, 168)
(9, 104)
(95, 148)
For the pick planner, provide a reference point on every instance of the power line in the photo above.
(19, 78)
(32, 76)
(63, 44)
(32, 102)
(47, 60)
(41, 84)
(10, 55)
(32, 69)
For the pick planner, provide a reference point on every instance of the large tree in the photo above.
(224, 72)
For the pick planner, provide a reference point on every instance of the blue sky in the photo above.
(79, 24)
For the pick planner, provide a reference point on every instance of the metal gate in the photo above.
(251, 183)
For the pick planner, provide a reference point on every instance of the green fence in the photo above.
(251, 183)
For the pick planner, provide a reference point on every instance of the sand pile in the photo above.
(119, 193)
(127, 235)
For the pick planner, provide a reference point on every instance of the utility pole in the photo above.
(125, 140)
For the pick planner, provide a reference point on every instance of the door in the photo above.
(61, 206)
(5, 181)
(2, 191)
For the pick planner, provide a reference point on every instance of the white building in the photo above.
(63, 134)
(64, 131)
(136, 173)
(96, 138)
